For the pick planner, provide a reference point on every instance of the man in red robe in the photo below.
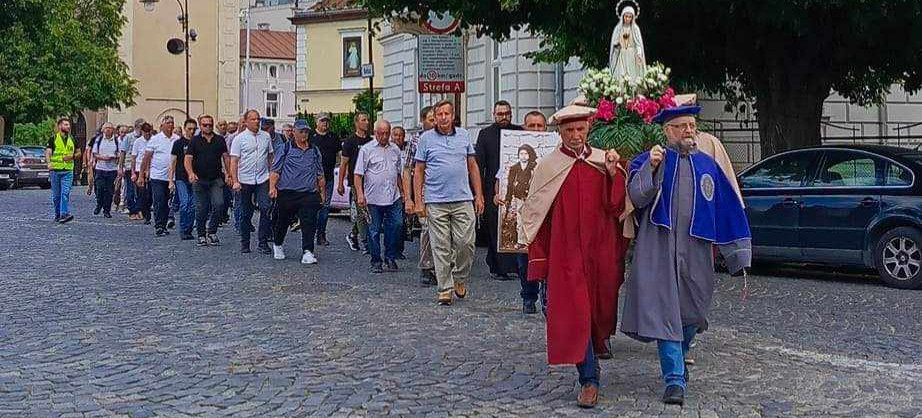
(571, 221)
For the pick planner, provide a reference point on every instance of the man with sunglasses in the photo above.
(204, 161)
(488, 159)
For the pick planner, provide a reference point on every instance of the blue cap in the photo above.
(266, 121)
(301, 125)
(666, 115)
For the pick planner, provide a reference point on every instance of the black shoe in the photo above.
(296, 227)
(185, 236)
(212, 240)
(147, 221)
(57, 218)
(353, 242)
(322, 240)
(424, 280)
(107, 214)
(264, 249)
(377, 268)
(244, 248)
(401, 257)
(97, 210)
(503, 277)
(674, 395)
(202, 242)
(529, 308)
(171, 223)
(390, 266)
(66, 218)
(160, 232)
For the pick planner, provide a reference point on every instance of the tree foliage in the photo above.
(369, 102)
(785, 55)
(59, 57)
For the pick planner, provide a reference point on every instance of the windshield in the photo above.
(33, 152)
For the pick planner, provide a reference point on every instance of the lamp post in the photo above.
(182, 46)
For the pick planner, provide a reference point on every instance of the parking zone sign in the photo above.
(441, 64)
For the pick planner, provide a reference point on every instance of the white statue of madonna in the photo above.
(626, 55)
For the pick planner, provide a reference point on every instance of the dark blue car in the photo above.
(839, 205)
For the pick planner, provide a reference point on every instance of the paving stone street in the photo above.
(100, 318)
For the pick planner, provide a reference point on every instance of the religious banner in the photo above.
(519, 153)
(441, 64)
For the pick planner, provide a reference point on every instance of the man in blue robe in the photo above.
(684, 204)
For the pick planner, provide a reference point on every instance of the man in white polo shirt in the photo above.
(106, 169)
(251, 156)
(156, 167)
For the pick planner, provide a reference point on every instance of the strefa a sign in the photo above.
(441, 64)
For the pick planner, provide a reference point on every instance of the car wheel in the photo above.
(898, 257)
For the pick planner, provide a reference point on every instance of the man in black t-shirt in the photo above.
(206, 154)
(179, 179)
(330, 146)
(346, 175)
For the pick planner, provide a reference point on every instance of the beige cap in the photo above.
(571, 113)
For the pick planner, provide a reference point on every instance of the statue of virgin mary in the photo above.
(626, 55)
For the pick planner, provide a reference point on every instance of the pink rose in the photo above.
(605, 110)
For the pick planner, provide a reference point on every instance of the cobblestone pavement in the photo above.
(99, 318)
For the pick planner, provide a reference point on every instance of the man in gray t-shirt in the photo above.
(105, 159)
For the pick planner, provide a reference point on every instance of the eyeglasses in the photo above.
(503, 113)
(207, 125)
(684, 126)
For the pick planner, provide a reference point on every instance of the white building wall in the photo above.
(260, 84)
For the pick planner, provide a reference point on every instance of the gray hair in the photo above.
(382, 122)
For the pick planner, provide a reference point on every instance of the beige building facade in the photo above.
(332, 46)
(214, 68)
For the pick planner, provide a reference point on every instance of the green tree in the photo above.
(368, 102)
(787, 56)
(58, 57)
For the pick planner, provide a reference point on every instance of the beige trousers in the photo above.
(451, 233)
(425, 248)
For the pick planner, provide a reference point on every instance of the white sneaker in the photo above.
(278, 252)
(308, 258)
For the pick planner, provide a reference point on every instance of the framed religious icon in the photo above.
(352, 56)
(519, 153)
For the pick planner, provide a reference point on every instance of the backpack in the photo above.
(99, 139)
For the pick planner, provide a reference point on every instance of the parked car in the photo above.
(839, 205)
(339, 202)
(23, 166)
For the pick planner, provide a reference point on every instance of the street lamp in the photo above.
(176, 46)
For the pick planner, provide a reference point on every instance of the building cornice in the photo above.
(324, 16)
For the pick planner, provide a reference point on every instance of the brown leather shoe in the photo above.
(460, 291)
(588, 396)
(445, 298)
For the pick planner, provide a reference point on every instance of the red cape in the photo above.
(580, 250)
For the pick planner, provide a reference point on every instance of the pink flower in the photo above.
(605, 110)
(645, 108)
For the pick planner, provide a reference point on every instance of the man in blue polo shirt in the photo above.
(297, 183)
(446, 165)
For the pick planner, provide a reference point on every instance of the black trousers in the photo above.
(303, 205)
(209, 205)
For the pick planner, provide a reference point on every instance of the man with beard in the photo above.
(488, 156)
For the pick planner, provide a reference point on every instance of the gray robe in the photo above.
(672, 273)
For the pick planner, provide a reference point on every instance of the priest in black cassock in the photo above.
(501, 265)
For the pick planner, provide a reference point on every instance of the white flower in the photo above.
(619, 100)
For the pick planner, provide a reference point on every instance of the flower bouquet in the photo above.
(625, 108)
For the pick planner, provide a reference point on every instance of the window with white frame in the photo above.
(272, 104)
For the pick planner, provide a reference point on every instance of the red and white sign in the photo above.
(441, 64)
(441, 24)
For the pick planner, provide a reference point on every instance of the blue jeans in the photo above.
(174, 205)
(160, 195)
(389, 220)
(672, 357)
(589, 370)
(186, 206)
(131, 199)
(104, 182)
(324, 213)
(529, 291)
(61, 182)
(237, 211)
(261, 193)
